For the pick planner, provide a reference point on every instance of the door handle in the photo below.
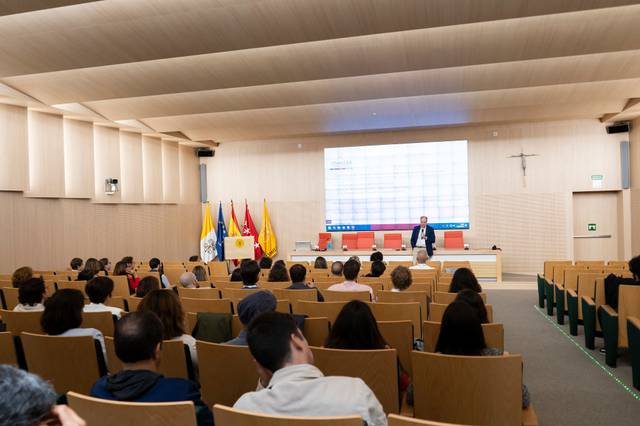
(592, 236)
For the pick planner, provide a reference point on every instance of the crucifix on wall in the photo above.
(523, 162)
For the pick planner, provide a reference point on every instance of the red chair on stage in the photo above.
(453, 240)
(393, 241)
(366, 239)
(324, 238)
(350, 240)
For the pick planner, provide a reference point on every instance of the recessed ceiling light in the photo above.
(374, 113)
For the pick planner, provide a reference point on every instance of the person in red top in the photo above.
(125, 268)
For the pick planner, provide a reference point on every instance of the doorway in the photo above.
(596, 225)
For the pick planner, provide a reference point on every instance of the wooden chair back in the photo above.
(558, 272)
(218, 268)
(451, 265)
(221, 285)
(570, 279)
(399, 335)
(271, 286)
(550, 264)
(173, 358)
(69, 363)
(237, 294)
(396, 420)
(133, 303)
(120, 285)
(199, 293)
(435, 264)
(398, 312)
(587, 287)
(76, 285)
(226, 372)
(10, 297)
(116, 302)
(102, 412)
(8, 353)
(406, 296)
(628, 306)
(377, 368)
(446, 298)
(222, 306)
(493, 335)
(393, 264)
(318, 274)
(227, 416)
(436, 311)
(329, 310)
(173, 273)
(144, 274)
(316, 330)
(102, 321)
(443, 288)
(17, 322)
(310, 295)
(618, 264)
(591, 264)
(346, 296)
(478, 390)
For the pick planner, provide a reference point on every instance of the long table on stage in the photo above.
(485, 263)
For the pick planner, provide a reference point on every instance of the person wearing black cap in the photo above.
(249, 308)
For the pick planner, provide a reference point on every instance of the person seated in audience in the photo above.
(336, 268)
(155, 265)
(235, 275)
(194, 258)
(461, 334)
(128, 260)
(265, 262)
(279, 263)
(278, 273)
(189, 280)
(249, 308)
(421, 261)
(166, 305)
(62, 316)
(377, 269)
(147, 284)
(20, 275)
(356, 259)
(92, 264)
(200, 273)
(106, 265)
(138, 342)
(250, 274)
(126, 269)
(31, 295)
(401, 278)
(295, 387)
(463, 279)
(475, 301)
(298, 275)
(612, 283)
(320, 263)
(28, 400)
(350, 272)
(99, 291)
(76, 264)
(85, 275)
(376, 256)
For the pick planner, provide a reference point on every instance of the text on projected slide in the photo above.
(384, 187)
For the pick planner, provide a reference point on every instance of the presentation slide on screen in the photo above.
(387, 187)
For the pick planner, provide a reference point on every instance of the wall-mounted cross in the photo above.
(523, 159)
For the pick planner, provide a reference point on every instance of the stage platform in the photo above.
(485, 263)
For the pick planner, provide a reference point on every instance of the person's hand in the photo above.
(62, 415)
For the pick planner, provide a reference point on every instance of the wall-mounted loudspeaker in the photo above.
(624, 165)
(205, 152)
(620, 127)
(203, 183)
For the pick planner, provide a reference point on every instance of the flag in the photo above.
(267, 238)
(234, 231)
(222, 233)
(207, 237)
(249, 230)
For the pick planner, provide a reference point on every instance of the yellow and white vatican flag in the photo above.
(208, 237)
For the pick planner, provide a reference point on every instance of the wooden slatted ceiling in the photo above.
(244, 69)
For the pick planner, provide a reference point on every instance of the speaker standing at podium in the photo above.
(423, 237)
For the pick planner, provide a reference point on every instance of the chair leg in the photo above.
(572, 308)
(540, 292)
(548, 287)
(634, 352)
(589, 322)
(609, 326)
(559, 304)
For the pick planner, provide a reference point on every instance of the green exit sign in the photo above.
(591, 227)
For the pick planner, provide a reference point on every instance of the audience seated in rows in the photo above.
(463, 279)
(62, 316)
(147, 285)
(31, 294)
(155, 265)
(105, 265)
(99, 291)
(298, 275)
(27, 400)
(124, 267)
(278, 273)
(189, 280)
(421, 261)
(377, 269)
(474, 300)
(250, 274)
(166, 305)
(138, 342)
(336, 268)
(320, 263)
(350, 272)
(85, 275)
(249, 308)
(236, 276)
(401, 278)
(93, 265)
(612, 282)
(76, 264)
(200, 273)
(461, 334)
(266, 262)
(20, 275)
(297, 388)
(376, 256)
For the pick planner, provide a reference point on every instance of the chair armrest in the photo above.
(529, 417)
(609, 310)
(635, 322)
(588, 300)
(559, 286)
(572, 293)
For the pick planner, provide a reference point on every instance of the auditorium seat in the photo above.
(633, 333)
(446, 298)
(399, 335)
(69, 363)
(76, 285)
(9, 297)
(102, 412)
(17, 322)
(436, 311)
(493, 335)
(295, 295)
(346, 296)
(406, 296)
(450, 266)
(614, 324)
(350, 241)
(620, 264)
(8, 354)
(227, 416)
(590, 264)
(324, 238)
(329, 310)
(377, 368)
(478, 390)
(366, 239)
(586, 287)
(222, 306)
(173, 273)
(133, 302)
(218, 268)
(199, 293)
(316, 330)
(396, 420)
(392, 241)
(398, 312)
(453, 240)
(102, 321)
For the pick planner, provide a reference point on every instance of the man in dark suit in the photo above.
(423, 237)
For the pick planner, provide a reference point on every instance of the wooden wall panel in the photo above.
(14, 166)
(106, 150)
(132, 185)
(152, 168)
(171, 172)
(46, 155)
(634, 159)
(78, 159)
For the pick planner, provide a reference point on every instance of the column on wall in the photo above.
(78, 159)
(46, 155)
(170, 172)
(13, 148)
(131, 166)
(152, 169)
(106, 150)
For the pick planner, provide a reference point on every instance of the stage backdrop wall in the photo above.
(531, 220)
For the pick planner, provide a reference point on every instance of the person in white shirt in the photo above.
(350, 272)
(31, 295)
(295, 387)
(99, 290)
(62, 316)
(401, 278)
(155, 265)
(421, 260)
(189, 280)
